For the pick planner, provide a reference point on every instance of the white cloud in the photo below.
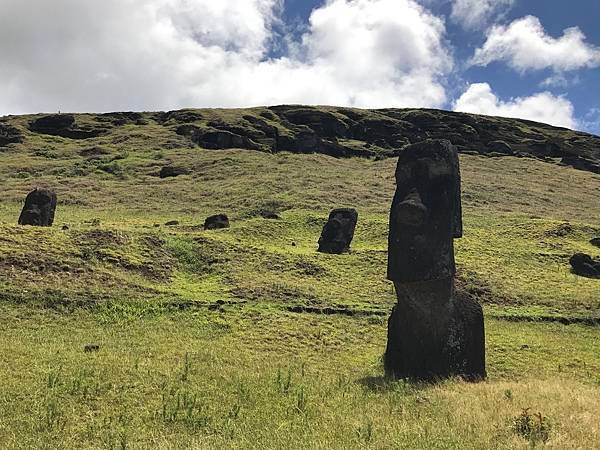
(524, 45)
(476, 14)
(541, 107)
(78, 55)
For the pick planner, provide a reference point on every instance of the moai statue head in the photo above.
(426, 213)
(39, 208)
(338, 232)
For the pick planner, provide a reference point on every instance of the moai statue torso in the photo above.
(431, 333)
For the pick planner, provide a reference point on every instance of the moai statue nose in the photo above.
(411, 211)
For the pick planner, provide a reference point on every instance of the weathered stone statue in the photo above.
(432, 333)
(39, 208)
(338, 232)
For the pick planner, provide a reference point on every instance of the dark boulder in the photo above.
(580, 163)
(338, 232)
(64, 125)
(433, 333)
(500, 147)
(9, 135)
(216, 222)
(267, 214)
(39, 208)
(172, 171)
(213, 139)
(585, 266)
(180, 116)
(172, 223)
(595, 242)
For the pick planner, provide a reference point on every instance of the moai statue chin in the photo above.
(432, 334)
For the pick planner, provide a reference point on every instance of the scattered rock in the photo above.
(595, 242)
(172, 171)
(218, 221)
(39, 208)
(65, 228)
(338, 232)
(91, 348)
(267, 214)
(172, 223)
(562, 230)
(585, 266)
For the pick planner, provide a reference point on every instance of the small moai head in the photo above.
(39, 208)
(426, 213)
(338, 232)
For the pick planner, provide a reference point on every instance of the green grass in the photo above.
(198, 348)
(258, 379)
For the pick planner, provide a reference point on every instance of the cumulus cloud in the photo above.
(476, 14)
(541, 107)
(78, 55)
(524, 45)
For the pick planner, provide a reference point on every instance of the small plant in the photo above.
(532, 426)
(284, 383)
(365, 431)
(508, 394)
(187, 367)
(52, 416)
(301, 401)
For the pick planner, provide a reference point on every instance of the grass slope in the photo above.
(198, 347)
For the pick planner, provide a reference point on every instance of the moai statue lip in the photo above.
(425, 214)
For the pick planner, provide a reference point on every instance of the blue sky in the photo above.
(535, 59)
(555, 16)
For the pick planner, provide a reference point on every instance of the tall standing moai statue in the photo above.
(432, 333)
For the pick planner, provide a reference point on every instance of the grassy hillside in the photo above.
(212, 338)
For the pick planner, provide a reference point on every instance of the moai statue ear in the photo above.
(457, 225)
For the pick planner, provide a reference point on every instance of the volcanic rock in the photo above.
(585, 266)
(216, 222)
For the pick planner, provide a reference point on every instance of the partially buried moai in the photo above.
(39, 208)
(432, 333)
(338, 232)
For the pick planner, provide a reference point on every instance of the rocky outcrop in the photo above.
(337, 132)
(433, 333)
(338, 232)
(218, 221)
(64, 125)
(39, 208)
(9, 135)
(585, 266)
